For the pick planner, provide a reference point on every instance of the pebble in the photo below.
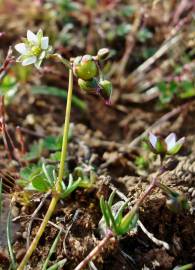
(190, 190)
(15, 211)
(20, 254)
(24, 235)
(193, 194)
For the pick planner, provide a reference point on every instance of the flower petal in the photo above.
(152, 139)
(21, 48)
(170, 141)
(38, 64)
(30, 60)
(44, 43)
(181, 141)
(39, 35)
(32, 37)
(42, 55)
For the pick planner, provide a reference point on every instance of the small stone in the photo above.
(15, 211)
(20, 254)
(193, 194)
(24, 235)
(190, 190)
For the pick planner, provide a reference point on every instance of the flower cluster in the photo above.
(87, 69)
(34, 49)
(167, 146)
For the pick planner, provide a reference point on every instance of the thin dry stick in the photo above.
(6, 64)
(130, 42)
(173, 38)
(95, 251)
(136, 75)
(3, 127)
(143, 228)
(33, 216)
(40, 219)
(164, 118)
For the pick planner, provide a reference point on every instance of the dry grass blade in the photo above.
(52, 250)
(8, 182)
(58, 265)
(9, 232)
(1, 197)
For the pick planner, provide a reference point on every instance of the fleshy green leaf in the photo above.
(40, 183)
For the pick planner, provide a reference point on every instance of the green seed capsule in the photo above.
(85, 67)
(106, 90)
(88, 86)
(103, 53)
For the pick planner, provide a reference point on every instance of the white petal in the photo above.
(42, 56)
(181, 141)
(21, 48)
(44, 43)
(30, 60)
(152, 139)
(32, 37)
(170, 141)
(40, 34)
(38, 64)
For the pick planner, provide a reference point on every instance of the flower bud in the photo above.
(106, 90)
(177, 202)
(128, 222)
(88, 86)
(85, 67)
(103, 53)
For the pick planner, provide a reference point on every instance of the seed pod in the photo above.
(88, 86)
(103, 53)
(106, 90)
(85, 67)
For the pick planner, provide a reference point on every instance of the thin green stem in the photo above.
(56, 197)
(39, 233)
(65, 135)
(62, 60)
(185, 267)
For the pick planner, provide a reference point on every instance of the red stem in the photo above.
(95, 251)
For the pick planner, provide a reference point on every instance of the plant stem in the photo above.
(39, 233)
(95, 251)
(145, 193)
(185, 267)
(65, 135)
(56, 196)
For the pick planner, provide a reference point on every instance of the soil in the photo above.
(102, 138)
(79, 215)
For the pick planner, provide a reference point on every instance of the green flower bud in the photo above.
(88, 86)
(106, 90)
(177, 202)
(128, 222)
(103, 53)
(85, 67)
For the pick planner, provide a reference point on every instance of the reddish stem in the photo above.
(3, 127)
(95, 251)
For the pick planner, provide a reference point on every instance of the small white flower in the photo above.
(153, 139)
(34, 49)
(169, 145)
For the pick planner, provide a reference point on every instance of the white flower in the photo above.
(34, 49)
(169, 145)
(173, 146)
